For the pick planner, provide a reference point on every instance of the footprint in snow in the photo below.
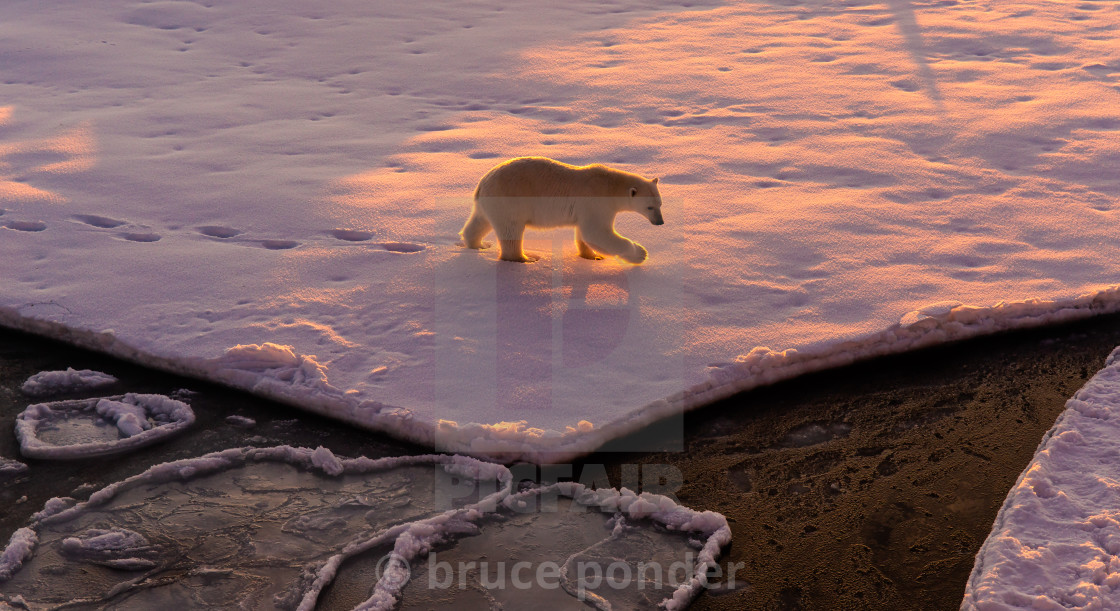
(222, 232)
(105, 222)
(101, 222)
(26, 225)
(351, 235)
(140, 236)
(401, 247)
(357, 235)
(279, 244)
(218, 231)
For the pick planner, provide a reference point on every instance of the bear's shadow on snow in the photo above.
(544, 314)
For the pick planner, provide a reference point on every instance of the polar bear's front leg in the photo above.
(638, 255)
(606, 241)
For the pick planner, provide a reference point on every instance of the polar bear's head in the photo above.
(646, 200)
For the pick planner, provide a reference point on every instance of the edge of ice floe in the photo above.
(412, 540)
(114, 408)
(280, 373)
(1084, 566)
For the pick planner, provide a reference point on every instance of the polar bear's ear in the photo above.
(654, 181)
(633, 191)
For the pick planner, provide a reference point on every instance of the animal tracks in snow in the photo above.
(133, 232)
(25, 225)
(217, 231)
(279, 244)
(401, 247)
(351, 235)
(104, 222)
(358, 235)
(140, 236)
(101, 222)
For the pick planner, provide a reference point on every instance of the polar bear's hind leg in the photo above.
(510, 237)
(586, 251)
(511, 251)
(476, 228)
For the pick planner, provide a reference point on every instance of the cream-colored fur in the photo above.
(540, 192)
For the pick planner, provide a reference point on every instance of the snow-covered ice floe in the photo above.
(87, 428)
(828, 169)
(71, 380)
(260, 528)
(282, 373)
(1055, 543)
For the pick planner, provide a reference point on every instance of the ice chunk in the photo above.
(11, 468)
(71, 380)
(814, 433)
(255, 357)
(130, 419)
(241, 421)
(121, 548)
(20, 547)
(275, 362)
(326, 460)
(1055, 541)
(939, 309)
(86, 428)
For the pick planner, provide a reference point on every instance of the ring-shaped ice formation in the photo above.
(105, 426)
(140, 539)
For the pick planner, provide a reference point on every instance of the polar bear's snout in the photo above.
(653, 213)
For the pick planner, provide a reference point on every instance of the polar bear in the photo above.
(540, 192)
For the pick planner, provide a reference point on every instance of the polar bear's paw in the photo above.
(636, 255)
(525, 258)
(479, 246)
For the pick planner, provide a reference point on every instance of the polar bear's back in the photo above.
(543, 177)
(541, 192)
